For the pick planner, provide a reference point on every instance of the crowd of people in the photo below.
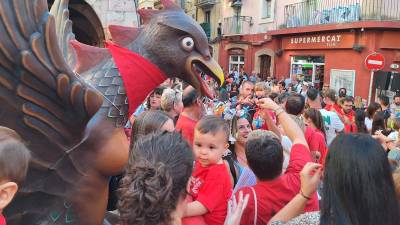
(260, 152)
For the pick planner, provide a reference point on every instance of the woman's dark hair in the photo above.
(342, 92)
(372, 108)
(360, 121)
(358, 185)
(157, 91)
(316, 118)
(147, 122)
(378, 123)
(155, 180)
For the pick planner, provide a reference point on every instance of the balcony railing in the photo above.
(315, 12)
(205, 3)
(237, 25)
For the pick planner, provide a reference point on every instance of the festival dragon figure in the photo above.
(69, 106)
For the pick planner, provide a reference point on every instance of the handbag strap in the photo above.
(255, 205)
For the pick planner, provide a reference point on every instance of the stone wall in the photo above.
(115, 12)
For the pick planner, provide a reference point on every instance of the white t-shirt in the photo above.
(332, 124)
(287, 146)
(368, 123)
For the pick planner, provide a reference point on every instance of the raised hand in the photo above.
(235, 209)
(310, 177)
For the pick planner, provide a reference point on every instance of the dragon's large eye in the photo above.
(187, 44)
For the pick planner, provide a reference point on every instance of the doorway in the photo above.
(265, 66)
(309, 69)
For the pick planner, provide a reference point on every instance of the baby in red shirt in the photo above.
(14, 160)
(210, 184)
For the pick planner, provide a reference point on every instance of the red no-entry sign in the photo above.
(375, 61)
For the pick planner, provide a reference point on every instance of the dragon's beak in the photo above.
(195, 64)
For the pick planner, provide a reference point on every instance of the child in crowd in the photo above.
(210, 185)
(14, 160)
(258, 122)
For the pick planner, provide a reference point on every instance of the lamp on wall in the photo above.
(237, 5)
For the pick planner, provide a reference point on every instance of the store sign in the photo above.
(319, 41)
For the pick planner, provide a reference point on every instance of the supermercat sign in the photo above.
(319, 41)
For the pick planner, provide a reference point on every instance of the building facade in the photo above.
(320, 41)
(91, 18)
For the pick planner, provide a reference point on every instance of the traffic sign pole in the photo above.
(370, 87)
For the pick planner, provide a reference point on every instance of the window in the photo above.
(267, 9)
(208, 17)
(236, 62)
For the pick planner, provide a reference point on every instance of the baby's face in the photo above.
(209, 147)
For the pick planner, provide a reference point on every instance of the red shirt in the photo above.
(334, 107)
(185, 125)
(316, 141)
(2, 220)
(273, 195)
(212, 187)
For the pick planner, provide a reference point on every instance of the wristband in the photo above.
(304, 196)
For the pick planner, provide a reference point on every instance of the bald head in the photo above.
(190, 95)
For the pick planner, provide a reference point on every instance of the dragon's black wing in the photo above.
(47, 105)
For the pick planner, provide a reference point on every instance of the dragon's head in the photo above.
(177, 45)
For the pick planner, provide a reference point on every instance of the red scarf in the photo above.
(139, 75)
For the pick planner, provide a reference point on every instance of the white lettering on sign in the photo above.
(329, 40)
(375, 62)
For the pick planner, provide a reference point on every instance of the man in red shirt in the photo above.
(347, 115)
(192, 112)
(265, 158)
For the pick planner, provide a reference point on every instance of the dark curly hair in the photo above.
(155, 180)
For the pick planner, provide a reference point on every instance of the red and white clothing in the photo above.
(334, 108)
(273, 195)
(259, 123)
(186, 125)
(316, 142)
(212, 187)
(350, 126)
